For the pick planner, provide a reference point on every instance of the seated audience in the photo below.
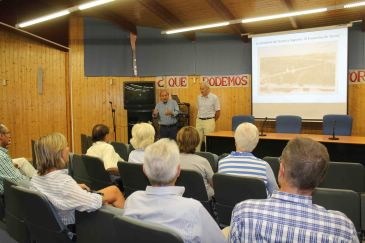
(61, 189)
(243, 162)
(187, 140)
(19, 170)
(103, 150)
(289, 215)
(163, 202)
(143, 134)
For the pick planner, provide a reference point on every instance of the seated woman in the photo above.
(143, 134)
(103, 150)
(187, 140)
(61, 189)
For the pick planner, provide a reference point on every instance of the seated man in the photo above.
(163, 202)
(243, 162)
(289, 215)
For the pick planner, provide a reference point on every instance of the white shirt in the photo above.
(136, 156)
(65, 194)
(208, 105)
(166, 206)
(106, 153)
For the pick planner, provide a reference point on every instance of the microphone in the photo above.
(110, 102)
(262, 128)
(333, 131)
(111, 105)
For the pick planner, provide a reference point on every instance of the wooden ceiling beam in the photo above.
(293, 21)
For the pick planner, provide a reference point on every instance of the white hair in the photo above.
(143, 134)
(246, 136)
(205, 83)
(161, 161)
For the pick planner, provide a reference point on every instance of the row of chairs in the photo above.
(293, 124)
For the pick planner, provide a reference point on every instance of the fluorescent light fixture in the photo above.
(168, 32)
(93, 4)
(44, 18)
(284, 15)
(352, 5)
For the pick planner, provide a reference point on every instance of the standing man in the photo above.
(166, 111)
(208, 112)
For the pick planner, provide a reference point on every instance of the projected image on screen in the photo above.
(295, 71)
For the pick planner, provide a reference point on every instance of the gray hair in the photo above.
(205, 83)
(143, 134)
(161, 161)
(3, 128)
(246, 136)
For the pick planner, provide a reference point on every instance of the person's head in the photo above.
(303, 164)
(51, 152)
(161, 162)
(143, 134)
(204, 88)
(5, 137)
(100, 132)
(187, 139)
(246, 137)
(164, 95)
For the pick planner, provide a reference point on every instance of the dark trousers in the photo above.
(168, 131)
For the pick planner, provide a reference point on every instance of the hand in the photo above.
(16, 165)
(84, 187)
(155, 113)
(168, 112)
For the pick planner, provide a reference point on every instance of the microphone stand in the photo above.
(333, 132)
(113, 118)
(262, 128)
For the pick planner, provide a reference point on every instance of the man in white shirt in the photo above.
(163, 203)
(208, 112)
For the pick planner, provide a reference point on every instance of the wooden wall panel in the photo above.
(26, 113)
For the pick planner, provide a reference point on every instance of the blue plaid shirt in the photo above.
(288, 217)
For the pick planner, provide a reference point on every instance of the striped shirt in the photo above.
(246, 164)
(65, 194)
(289, 218)
(8, 171)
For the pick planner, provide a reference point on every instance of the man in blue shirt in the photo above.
(166, 110)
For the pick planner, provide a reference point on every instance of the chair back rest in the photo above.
(288, 124)
(341, 123)
(194, 185)
(14, 215)
(122, 149)
(232, 189)
(274, 163)
(86, 143)
(213, 161)
(345, 175)
(132, 177)
(236, 120)
(132, 230)
(345, 201)
(79, 172)
(34, 158)
(99, 177)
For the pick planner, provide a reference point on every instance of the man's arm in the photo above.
(217, 114)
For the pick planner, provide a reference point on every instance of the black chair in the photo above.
(288, 124)
(194, 187)
(237, 120)
(132, 177)
(122, 149)
(274, 163)
(345, 175)
(79, 172)
(342, 124)
(362, 199)
(14, 214)
(231, 189)
(222, 156)
(34, 159)
(131, 230)
(345, 201)
(86, 143)
(97, 226)
(213, 161)
(41, 218)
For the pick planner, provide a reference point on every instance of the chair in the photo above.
(222, 156)
(132, 230)
(288, 124)
(345, 201)
(274, 163)
(212, 159)
(14, 215)
(236, 120)
(194, 187)
(362, 199)
(231, 189)
(341, 123)
(34, 162)
(122, 149)
(86, 143)
(345, 175)
(132, 177)
(41, 218)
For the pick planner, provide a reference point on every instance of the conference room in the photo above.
(285, 66)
